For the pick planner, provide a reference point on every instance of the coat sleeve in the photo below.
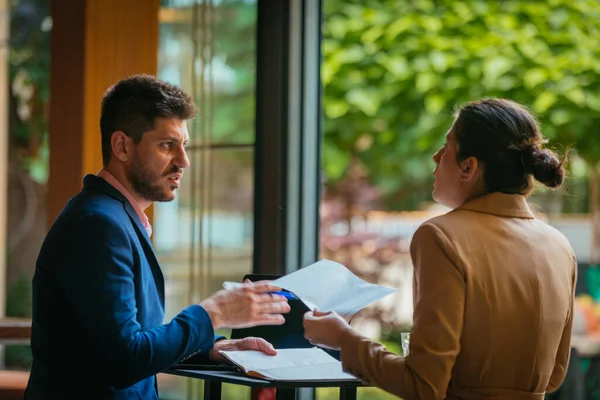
(439, 294)
(97, 278)
(564, 348)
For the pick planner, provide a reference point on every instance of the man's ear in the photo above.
(118, 144)
(469, 169)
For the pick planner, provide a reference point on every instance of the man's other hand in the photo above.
(249, 343)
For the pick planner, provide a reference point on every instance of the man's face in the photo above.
(156, 165)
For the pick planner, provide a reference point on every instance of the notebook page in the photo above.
(320, 372)
(252, 360)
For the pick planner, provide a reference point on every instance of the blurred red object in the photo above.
(263, 394)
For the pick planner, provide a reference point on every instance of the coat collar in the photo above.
(500, 204)
(93, 182)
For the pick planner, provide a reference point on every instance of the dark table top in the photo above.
(241, 379)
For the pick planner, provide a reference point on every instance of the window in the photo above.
(205, 236)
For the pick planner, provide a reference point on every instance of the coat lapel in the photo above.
(148, 250)
(96, 183)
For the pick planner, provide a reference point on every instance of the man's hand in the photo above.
(249, 305)
(325, 329)
(249, 343)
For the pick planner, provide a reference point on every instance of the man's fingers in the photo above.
(256, 343)
(274, 307)
(265, 347)
(271, 319)
(265, 287)
(269, 298)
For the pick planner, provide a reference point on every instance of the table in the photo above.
(286, 390)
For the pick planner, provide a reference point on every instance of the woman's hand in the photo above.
(249, 343)
(325, 329)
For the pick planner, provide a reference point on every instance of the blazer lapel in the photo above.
(92, 182)
(148, 250)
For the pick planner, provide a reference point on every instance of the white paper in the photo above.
(330, 286)
(291, 364)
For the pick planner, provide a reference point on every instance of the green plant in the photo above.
(393, 71)
(18, 298)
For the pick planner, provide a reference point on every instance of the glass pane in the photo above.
(209, 48)
(205, 236)
(25, 55)
(391, 82)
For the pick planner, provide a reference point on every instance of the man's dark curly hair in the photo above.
(133, 104)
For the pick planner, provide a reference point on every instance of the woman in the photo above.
(493, 286)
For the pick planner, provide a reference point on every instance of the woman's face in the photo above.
(454, 182)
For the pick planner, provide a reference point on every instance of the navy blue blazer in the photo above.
(98, 305)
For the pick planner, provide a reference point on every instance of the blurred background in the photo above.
(317, 124)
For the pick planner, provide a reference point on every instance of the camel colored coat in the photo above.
(493, 307)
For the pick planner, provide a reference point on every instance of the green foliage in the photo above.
(234, 108)
(18, 298)
(18, 357)
(224, 46)
(393, 71)
(29, 71)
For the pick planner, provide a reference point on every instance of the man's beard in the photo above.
(145, 183)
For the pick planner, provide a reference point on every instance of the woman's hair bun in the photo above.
(545, 166)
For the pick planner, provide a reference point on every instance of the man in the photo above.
(98, 291)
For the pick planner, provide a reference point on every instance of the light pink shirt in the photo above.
(108, 177)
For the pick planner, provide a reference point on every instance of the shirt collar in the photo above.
(108, 177)
(500, 204)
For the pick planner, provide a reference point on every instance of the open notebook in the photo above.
(290, 365)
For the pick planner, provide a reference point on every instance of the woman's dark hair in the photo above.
(506, 138)
(133, 104)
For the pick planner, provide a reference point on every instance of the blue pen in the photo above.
(286, 294)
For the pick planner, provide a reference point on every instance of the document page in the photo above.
(330, 286)
(290, 364)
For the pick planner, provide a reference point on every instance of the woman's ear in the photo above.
(118, 144)
(469, 169)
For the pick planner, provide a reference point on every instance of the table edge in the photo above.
(256, 382)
